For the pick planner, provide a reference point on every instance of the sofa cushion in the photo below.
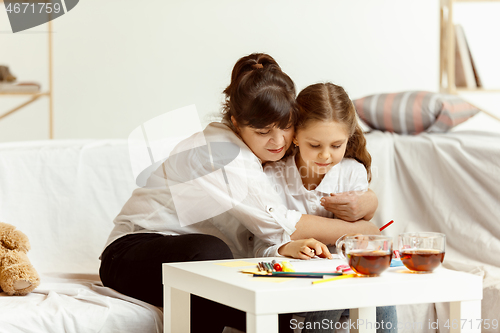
(413, 112)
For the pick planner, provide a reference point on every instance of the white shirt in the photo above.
(200, 188)
(348, 175)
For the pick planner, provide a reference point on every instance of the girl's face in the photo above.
(322, 145)
(268, 144)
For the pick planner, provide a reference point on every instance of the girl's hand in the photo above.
(351, 206)
(305, 249)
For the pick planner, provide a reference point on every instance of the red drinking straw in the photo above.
(386, 225)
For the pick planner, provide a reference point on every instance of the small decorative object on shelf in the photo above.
(8, 84)
(5, 74)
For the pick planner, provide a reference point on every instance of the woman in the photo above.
(233, 199)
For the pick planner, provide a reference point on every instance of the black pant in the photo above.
(132, 265)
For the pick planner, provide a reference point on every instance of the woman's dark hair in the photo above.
(329, 102)
(260, 94)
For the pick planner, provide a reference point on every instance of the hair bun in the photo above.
(257, 66)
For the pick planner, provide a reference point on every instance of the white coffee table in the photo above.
(264, 300)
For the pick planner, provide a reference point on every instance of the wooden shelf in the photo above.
(479, 90)
(33, 98)
(475, 0)
(23, 93)
(447, 51)
(37, 95)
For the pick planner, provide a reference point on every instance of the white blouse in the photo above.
(212, 184)
(348, 175)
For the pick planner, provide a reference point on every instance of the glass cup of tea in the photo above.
(422, 252)
(368, 255)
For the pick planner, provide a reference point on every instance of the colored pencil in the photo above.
(386, 225)
(309, 273)
(289, 276)
(313, 275)
(335, 278)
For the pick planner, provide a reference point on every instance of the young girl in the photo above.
(329, 153)
(329, 156)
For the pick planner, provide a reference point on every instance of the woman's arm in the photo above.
(327, 230)
(352, 206)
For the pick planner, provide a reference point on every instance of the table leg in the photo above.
(176, 310)
(363, 320)
(267, 323)
(465, 316)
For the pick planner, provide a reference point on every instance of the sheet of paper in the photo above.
(239, 263)
(396, 262)
(253, 271)
(272, 279)
(317, 264)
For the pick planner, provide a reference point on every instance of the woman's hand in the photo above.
(305, 249)
(351, 206)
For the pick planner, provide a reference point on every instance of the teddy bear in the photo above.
(17, 275)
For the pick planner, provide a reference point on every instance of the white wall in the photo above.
(120, 63)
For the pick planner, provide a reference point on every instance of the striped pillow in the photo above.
(413, 112)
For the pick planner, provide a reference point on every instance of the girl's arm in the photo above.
(352, 206)
(313, 232)
(327, 230)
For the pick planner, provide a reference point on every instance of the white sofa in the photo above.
(65, 194)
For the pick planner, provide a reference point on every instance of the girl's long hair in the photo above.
(330, 102)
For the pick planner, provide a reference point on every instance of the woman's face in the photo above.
(269, 144)
(322, 145)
